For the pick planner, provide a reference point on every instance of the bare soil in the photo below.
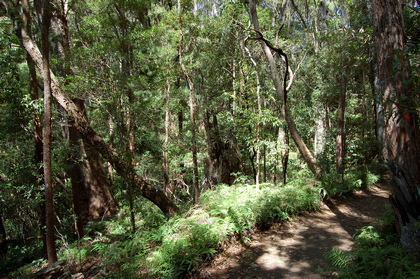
(295, 248)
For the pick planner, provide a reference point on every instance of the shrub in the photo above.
(377, 255)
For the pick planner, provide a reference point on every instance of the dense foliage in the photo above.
(166, 82)
(171, 248)
(377, 255)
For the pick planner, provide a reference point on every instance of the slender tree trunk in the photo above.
(340, 137)
(278, 84)
(265, 163)
(258, 157)
(258, 147)
(131, 150)
(111, 127)
(192, 109)
(194, 145)
(402, 135)
(33, 91)
(47, 136)
(2, 231)
(285, 157)
(166, 185)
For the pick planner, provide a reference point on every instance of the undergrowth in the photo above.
(333, 183)
(196, 236)
(377, 254)
(174, 247)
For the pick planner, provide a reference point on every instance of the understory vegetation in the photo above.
(377, 254)
(175, 247)
(171, 248)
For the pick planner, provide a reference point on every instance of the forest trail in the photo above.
(295, 248)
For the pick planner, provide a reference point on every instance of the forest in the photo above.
(139, 137)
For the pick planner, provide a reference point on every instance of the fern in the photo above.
(375, 256)
(338, 258)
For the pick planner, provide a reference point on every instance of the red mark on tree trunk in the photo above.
(407, 116)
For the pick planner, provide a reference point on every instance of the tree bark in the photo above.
(166, 184)
(402, 135)
(47, 136)
(224, 158)
(341, 132)
(92, 198)
(2, 231)
(36, 118)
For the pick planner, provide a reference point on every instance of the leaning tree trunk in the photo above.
(281, 90)
(92, 198)
(402, 136)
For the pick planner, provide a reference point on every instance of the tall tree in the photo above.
(47, 134)
(402, 135)
(281, 89)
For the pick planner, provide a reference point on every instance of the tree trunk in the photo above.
(47, 136)
(402, 135)
(166, 184)
(258, 139)
(2, 231)
(36, 118)
(280, 89)
(192, 108)
(341, 137)
(285, 155)
(224, 158)
(319, 140)
(92, 197)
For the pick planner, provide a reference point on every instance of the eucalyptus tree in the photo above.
(400, 117)
(47, 134)
(281, 89)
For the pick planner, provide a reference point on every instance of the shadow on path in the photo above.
(295, 249)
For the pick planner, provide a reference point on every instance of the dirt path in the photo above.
(295, 249)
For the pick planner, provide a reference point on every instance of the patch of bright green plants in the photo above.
(196, 236)
(377, 254)
(334, 183)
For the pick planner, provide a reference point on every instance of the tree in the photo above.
(192, 105)
(80, 122)
(281, 89)
(402, 135)
(47, 135)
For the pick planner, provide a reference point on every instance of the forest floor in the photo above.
(295, 248)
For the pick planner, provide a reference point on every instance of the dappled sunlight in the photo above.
(295, 248)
